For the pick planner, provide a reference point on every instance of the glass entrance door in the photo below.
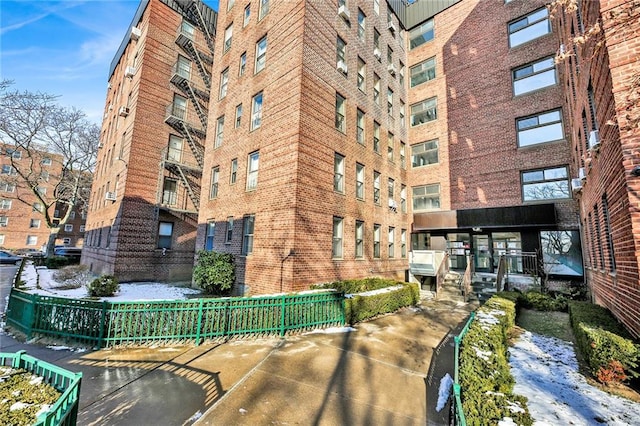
(482, 253)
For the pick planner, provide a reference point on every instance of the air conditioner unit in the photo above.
(130, 71)
(594, 139)
(377, 54)
(342, 66)
(343, 12)
(111, 196)
(562, 50)
(123, 111)
(135, 33)
(391, 26)
(392, 69)
(582, 174)
(576, 184)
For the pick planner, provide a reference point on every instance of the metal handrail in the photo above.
(443, 269)
(457, 406)
(468, 278)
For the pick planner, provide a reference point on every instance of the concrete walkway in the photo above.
(376, 374)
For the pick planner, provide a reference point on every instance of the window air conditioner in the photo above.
(562, 51)
(129, 72)
(392, 26)
(377, 54)
(576, 184)
(594, 139)
(342, 66)
(582, 174)
(343, 12)
(392, 69)
(123, 111)
(135, 33)
(111, 196)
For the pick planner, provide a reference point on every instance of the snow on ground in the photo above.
(546, 372)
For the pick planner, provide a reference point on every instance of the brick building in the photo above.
(146, 191)
(602, 76)
(22, 223)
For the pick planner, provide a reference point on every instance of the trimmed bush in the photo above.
(358, 286)
(57, 262)
(543, 301)
(359, 308)
(103, 286)
(74, 276)
(215, 272)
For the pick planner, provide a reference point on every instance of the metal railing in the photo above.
(443, 269)
(106, 324)
(501, 273)
(65, 410)
(467, 278)
(457, 401)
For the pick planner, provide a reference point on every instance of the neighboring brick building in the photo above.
(602, 88)
(22, 223)
(144, 202)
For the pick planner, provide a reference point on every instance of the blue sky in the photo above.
(64, 47)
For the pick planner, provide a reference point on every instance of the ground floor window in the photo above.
(562, 252)
(211, 231)
(248, 224)
(165, 234)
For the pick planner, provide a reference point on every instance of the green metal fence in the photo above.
(65, 410)
(457, 401)
(105, 324)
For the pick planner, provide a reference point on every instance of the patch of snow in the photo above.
(19, 406)
(243, 411)
(195, 417)
(380, 290)
(507, 421)
(444, 391)
(331, 330)
(482, 354)
(36, 380)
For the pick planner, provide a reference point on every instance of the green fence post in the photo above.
(30, 315)
(200, 308)
(282, 314)
(103, 320)
(18, 359)
(457, 340)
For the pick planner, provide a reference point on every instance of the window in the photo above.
(389, 58)
(256, 111)
(376, 45)
(361, 24)
(1, 239)
(403, 198)
(14, 153)
(261, 54)
(360, 127)
(238, 116)
(170, 192)
(179, 106)
(8, 169)
(215, 176)
(243, 63)
(248, 223)
(174, 153)
(35, 223)
(72, 215)
(7, 187)
(391, 188)
(534, 25)
(534, 76)
(376, 89)
(540, 128)
(32, 240)
(391, 241)
(211, 232)
(340, 113)
(376, 137)
(68, 227)
(224, 82)
(4, 221)
(38, 207)
(341, 62)
(229, 233)
(403, 155)
(359, 181)
(424, 153)
(234, 171)
(338, 173)
(165, 233)
(336, 247)
(401, 74)
(252, 170)
(376, 241)
(426, 197)
(362, 75)
(376, 6)
(596, 219)
(420, 35)
(608, 233)
(403, 113)
(44, 175)
(219, 132)
(423, 72)
(424, 112)
(376, 187)
(228, 35)
(359, 239)
(81, 228)
(403, 243)
(41, 190)
(247, 15)
(545, 184)
(562, 252)
(187, 29)
(389, 101)
(390, 144)
(46, 161)
(264, 9)
(230, 4)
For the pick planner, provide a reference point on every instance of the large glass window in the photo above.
(545, 184)
(534, 25)
(540, 128)
(420, 35)
(424, 153)
(534, 76)
(248, 223)
(561, 252)
(336, 249)
(422, 72)
(165, 233)
(426, 197)
(424, 111)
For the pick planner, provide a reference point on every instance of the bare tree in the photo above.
(50, 147)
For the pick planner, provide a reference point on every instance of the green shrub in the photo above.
(103, 286)
(359, 308)
(542, 301)
(74, 276)
(57, 262)
(215, 272)
(359, 285)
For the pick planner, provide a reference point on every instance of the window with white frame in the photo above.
(424, 153)
(401, 74)
(170, 192)
(359, 239)
(32, 240)
(8, 169)
(233, 175)
(38, 207)
(403, 243)
(421, 34)
(4, 221)
(41, 190)
(165, 234)
(247, 15)
(248, 226)
(423, 72)
(376, 241)
(46, 161)
(540, 128)
(243, 63)
(72, 215)
(261, 54)
(403, 155)
(389, 58)
(534, 25)
(376, 137)
(224, 82)
(230, 4)
(44, 175)
(338, 172)
(67, 241)
(68, 227)
(424, 112)
(340, 113)
(7, 187)
(362, 75)
(229, 231)
(534, 76)
(391, 242)
(228, 35)
(179, 106)
(238, 120)
(252, 170)
(389, 101)
(264, 9)
(35, 223)
(391, 189)
(426, 197)
(361, 24)
(14, 153)
(403, 113)
(1, 239)
(256, 111)
(341, 62)
(215, 177)
(360, 181)
(174, 152)
(376, 89)
(210, 234)
(360, 126)
(545, 184)
(81, 229)
(376, 45)
(403, 198)
(336, 247)
(390, 146)
(219, 132)
(376, 187)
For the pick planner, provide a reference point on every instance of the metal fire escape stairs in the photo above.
(192, 9)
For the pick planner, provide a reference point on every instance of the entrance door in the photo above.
(482, 253)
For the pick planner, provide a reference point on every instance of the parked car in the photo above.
(29, 252)
(7, 258)
(73, 252)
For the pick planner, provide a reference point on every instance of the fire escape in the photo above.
(192, 130)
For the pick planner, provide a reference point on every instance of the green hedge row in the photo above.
(536, 300)
(485, 375)
(603, 341)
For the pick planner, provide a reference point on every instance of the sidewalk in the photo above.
(376, 374)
